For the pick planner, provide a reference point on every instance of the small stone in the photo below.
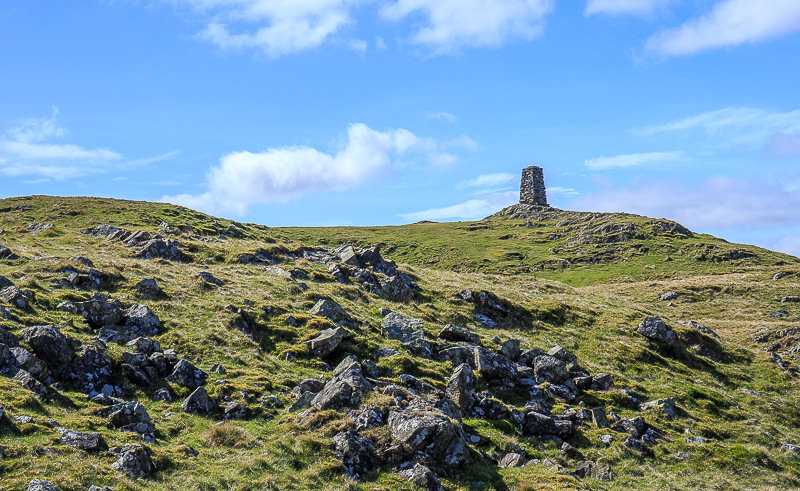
(667, 296)
(513, 460)
(790, 299)
(606, 439)
(599, 417)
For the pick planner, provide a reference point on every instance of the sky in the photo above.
(372, 112)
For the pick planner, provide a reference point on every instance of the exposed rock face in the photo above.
(531, 189)
(430, 432)
(408, 331)
(91, 442)
(134, 460)
(163, 248)
(355, 452)
(48, 343)
(652, 327)
(461, 387)
(344, 389)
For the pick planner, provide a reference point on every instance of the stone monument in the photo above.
(531, 188)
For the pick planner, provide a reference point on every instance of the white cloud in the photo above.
(730, 23)
(559, 191)
(789, 244)
(451, 24)
(468, 210)
(633, 159)
(441, 115)
(278, 174)
(640, 8)
(380, 44)
(486, 180)
(357, 45)
(718, 202)
(272, 27)
(781, 145)
(25, 150)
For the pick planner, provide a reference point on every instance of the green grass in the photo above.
(592, 309)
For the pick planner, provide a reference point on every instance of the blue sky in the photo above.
(327, 112)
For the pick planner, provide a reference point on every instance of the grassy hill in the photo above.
(582, 281)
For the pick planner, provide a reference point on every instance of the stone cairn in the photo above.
(531, 188)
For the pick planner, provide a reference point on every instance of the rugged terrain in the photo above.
(149, 346)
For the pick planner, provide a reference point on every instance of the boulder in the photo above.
(549, 369)
(345, 389)
(398, 288)
(513, 459)
(355, 452)
(542, 425)
(26, 380)
(422, 476)
(5, 282)
(326, 342)
(41, 485)
(5, 253)
(144, 345)
(139, 321)
(100, 311)
(635, 427)
(430, 432)
(653, 328)
(31, 363)
(347, 255)
(667, 296)
(408, 331)
(48, 343)
(461, 387)
(332, 311)
(134, 460)
(209, 279)
(130, 416)
(15, 297)
(602, 381)
(458, 334)
(8, 338)
(790, 299)
(493, 366)
(599, 417)
(510, 349)
(148, 288)
(234, 410)
(593, 470)
(199, 402)
(90, 442)
(187, 375)
(163, 248)
(90, 369)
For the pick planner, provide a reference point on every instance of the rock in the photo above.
(510, 349)
(38, 228)
(493, 366)
(599, 417)
(107, 231)
(528, 358)
(779, 313)
(162, 394)
(130, 416)
(606, 439)
(423, 477)
(636, 444)
(302, 402)
(570, 452)
(14, 296)
(187, 375)
(541, 425)
(780, 275)
(199, 402)
(513, 459)
(31, 363)
(347, 255)
(310, 385)
(148, 288)
(602, 381)
(667, 406)
(791, 448)
(431, 432)
(345, 389)
(209, 279)
(234, 410)
(461, 387)
(486, 407)
(486, 321)
(788, 299)
(332, 311)
(398, 288)
(48, 343)
(90, 442)
(40, 485)
(134, 460)
(5, 282)
(144, 345)
(140, 321)
(100, 311)
(418, 386)
(26, 380)
(5, 253)
(549, 369)
(408, 331)
(355, 452)
(326, 342)
(163, 248)
(593, 470)
(633, 426)
(369, 417)
(653, 328)
(667, 296)
(456, 334)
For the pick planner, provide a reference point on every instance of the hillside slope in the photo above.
(270, 360)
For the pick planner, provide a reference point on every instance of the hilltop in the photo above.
(534, 348)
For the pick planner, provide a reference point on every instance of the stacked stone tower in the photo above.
(531, 188)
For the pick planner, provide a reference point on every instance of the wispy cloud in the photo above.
(468, 210)
(486, 180)
(714, 203)
(639, 8)
(444, 116)
(730, 23)
(632, 160)
(244, 178)
(452, 24)
(561, 192)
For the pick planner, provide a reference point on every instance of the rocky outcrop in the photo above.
(655, 329)
(345, 389)
(408, 331)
